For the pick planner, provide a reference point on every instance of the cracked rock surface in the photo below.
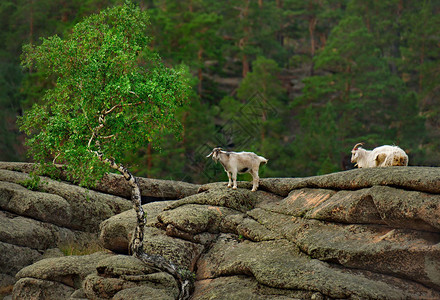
(359, 234)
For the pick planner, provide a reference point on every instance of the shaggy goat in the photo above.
(239, 162)
(383, 156)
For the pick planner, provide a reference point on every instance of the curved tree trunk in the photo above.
(136, 247)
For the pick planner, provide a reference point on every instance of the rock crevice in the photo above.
(359, 234)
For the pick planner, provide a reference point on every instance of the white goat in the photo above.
(383, 156)
(239, 162)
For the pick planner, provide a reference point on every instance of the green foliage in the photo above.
(24, 22)
(33, 183)
(317, 148)
(112, 93)
(262, 112)
(187, 275)
(359, 100)
(187, 31)
(262, 79)
(335, 72)
(420, 63)
(9, 105)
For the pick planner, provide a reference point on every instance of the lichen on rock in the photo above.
(359, 234)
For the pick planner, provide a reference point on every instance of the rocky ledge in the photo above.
(60, 215)
(359, 234)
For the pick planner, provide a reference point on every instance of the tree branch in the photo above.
(95, 133)
(122, 105)
(104, 113)
(55, 158)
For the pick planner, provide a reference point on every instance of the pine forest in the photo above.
(299, 82)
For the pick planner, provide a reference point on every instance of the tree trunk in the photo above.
(200, 74)
(137, 241)
(245, 65)
(242, 43)
(136, 244)
(143, 5)
(367, 19)
(264, 114)
(422, 61)
(136, 247)
(347, 84)
(312, 26)
(31, 30)
(65, 15)
(31, 23)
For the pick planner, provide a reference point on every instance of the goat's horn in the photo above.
(210, 154)
(357, 146)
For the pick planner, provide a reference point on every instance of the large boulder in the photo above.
(151, 189)
(86, 209)
(115, 233)
(280, 264)
(55, 278)
(121, 275)
(245, 287)
(101, 275)
(58, 215)
(360, 234)
(69, 270)
(61, 214)
(33, 288)
(115, 184)
(36, 205)
(13, 258)
(339, 236)
(424, 179)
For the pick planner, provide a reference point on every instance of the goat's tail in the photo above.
(263, 160)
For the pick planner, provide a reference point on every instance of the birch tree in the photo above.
(112, 95)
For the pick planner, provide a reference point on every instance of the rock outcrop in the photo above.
(35, 224)
(359, 234)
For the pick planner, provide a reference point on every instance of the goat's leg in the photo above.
(230, 181)
(234, 179)
(255, 180)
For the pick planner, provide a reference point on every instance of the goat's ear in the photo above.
(215, 155)
(210, 154)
